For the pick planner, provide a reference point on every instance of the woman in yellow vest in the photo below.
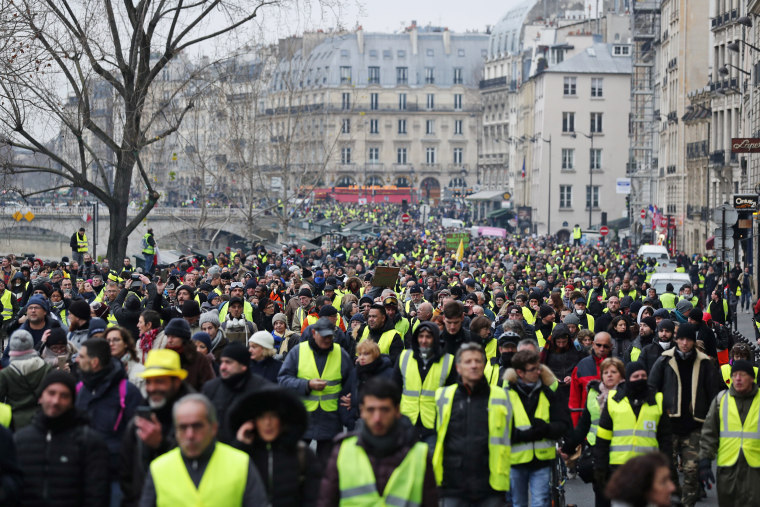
(740, 351)
(630, 424)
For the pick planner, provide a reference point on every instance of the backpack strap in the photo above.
(122, 402)
(79, 386)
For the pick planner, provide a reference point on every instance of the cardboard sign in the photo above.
(385, 276)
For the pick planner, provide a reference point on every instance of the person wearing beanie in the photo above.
(237, 326)
(544, 324)
(705, 335)
(235, 381)
(634, 408)
(284, 338)
(662, 341)
(79, 322)
(561, 357)
(683, 308)
(209, 322)
(35, 319)
(730, 413)
(573, 324)
(19, 383)
(57, 351)
(127, 307)
(305, 307)
(58, 450)
(262, 356)
(688, 381)
(198, 366)
(647, 329)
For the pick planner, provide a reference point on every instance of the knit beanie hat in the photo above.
(59, 377)
(686, 330)
(743, 365)
(696, 315)
(237, 352)
(327, 311)
(572, 319)
(39, 301)
(666, 324)
(97, 325)
(683, 306)
(178, 327)
(80, 309)
(651, 322)
(211, 317)
(545, 310)
(280, 317)
(263, 339)
(204, 338)
(191, 308)
(57, 336)
(21, 343)
(632, 368)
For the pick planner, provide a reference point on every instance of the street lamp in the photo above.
(744, 20)
(549, 197)
(724, 70)
(734, 46)
(590, 175)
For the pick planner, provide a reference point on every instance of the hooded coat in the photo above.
(287, 454)
(19, 387)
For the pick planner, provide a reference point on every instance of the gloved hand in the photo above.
(528, 435)
(706, 476)
(540, 429)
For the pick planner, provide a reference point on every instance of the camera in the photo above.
(135, 276)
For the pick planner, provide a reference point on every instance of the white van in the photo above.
(656, 252)
(661, 280)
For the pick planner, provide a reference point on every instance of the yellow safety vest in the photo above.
(6, 413)
(595, 412)
(499, 427)
(540, 449)
(247, 311)
(327, 399)
(223, 482)
(357, 483)
(725, 370)
(81, 243)
(577, 233)
(668, 300)
(386, 339)
(418, 397)
(402, 326)
(7, 302)
(540, 336)
(148, 249)
(528, 315)
(735, 436)
(631, 437)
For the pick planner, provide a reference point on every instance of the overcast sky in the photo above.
(458, 15)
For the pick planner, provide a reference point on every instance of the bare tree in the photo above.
(87, 70)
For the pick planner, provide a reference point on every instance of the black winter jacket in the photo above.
(64, 461)
(224, 392)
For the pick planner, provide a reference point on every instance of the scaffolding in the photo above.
(644, 119)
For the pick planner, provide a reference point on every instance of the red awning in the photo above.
(710, 243)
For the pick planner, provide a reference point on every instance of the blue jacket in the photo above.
(102, 406)
(322, 425)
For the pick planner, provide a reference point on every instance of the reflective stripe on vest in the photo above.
(594, 410)
(357, 483)
(735, 436)
(223, 481)
(417, 396)
(631, 436)
(540, 449)
(327, 399)
(386, 339)
(499, 428)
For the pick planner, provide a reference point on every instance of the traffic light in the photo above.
(604, 218)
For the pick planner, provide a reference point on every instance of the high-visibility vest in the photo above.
(577, 233)
(725, 370)
(540, 336)
(591, 293)
(669, 300)
(418, 396)
(327, 399)
(635, 353)
(6, 414)
(357, 483)
(308, 321)
(528, 315)
(590, 321)
(148, 249)
(540, 449)
(735, 436)
(631, 292)
(402, 326)
(300, 315)
(82, 243)
(725, 308)
(247, 311)
(223, 482)
(594, 411)
(7, 302)
(386, 339)
(499, 428)
(631, 437)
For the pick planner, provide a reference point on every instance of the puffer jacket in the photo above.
(19, 387)
(102, 404)
(223, 392)
(65, 463)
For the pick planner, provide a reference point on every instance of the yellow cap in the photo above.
(163, 363)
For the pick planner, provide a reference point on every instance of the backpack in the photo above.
(122, 400)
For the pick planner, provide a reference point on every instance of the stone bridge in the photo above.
(47, 234)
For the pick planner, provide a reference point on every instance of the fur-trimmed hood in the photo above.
(547, 377)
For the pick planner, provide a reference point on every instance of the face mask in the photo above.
(506, 358)
(425, 352)
(665, 345)
(637, 388)
(579, 312)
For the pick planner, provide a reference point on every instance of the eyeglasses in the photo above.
(532, 369)
(602, 345)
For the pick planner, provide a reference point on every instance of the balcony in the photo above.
(718, 158)
(492, 83)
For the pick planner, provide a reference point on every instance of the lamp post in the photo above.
(549, 197)
(590, 175)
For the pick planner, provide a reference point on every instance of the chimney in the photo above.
(360, 39)
(413, 37)
(447, 41)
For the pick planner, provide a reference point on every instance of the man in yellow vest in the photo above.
(177, 477)
(382, 331)
(632, 423)
(323, 373)
(577, 233)
(398, 472)
(539, 419)
(79, 245)
(420, 371)
(149, 251)
(472, 452)
(731, 432)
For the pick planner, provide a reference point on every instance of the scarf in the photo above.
(602, 398)
(147, 339)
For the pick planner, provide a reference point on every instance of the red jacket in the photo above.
(586, 371)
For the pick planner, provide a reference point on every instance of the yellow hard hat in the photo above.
(163, 363)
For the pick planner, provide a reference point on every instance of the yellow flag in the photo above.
(460, 251)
